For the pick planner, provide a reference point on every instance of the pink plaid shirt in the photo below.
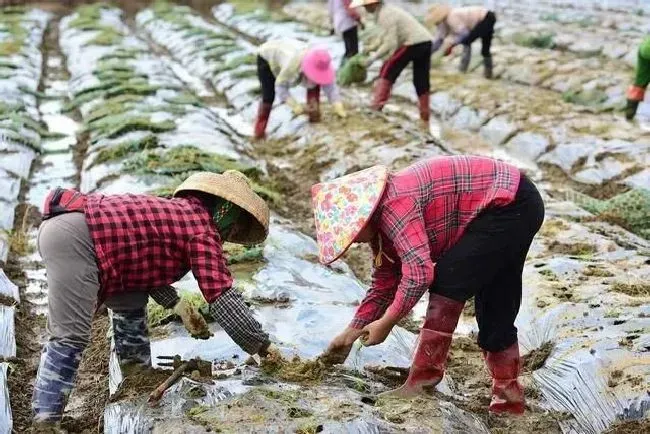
(144, 242)
(424, 211)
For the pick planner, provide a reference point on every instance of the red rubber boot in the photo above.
(313, 104)
(507, 393)
(381, 93)
(430, 360)
(263, 113)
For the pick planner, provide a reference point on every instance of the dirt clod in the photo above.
(640, 289)
(537, 357)
(295, 370)
(572, 249)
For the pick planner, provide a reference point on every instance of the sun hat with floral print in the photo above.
(342, 208)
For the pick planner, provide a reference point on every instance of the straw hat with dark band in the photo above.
(234, 187)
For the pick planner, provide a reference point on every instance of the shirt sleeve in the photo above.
(440, 37)
(332, 92)
(403, 223)
(389, 41)
(282, 90)
(208, 265)
(379, 296)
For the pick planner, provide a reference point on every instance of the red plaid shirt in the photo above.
(143, 242)
(424, 211)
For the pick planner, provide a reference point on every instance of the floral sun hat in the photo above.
(343, 206)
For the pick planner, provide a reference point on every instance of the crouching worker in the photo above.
(282, 64)
(469, 219)
(636, 92)
(115, 249)
(405, 41)
(464, 25)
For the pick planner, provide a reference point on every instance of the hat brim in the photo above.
(253, 224)
(326, 261)
(343, 208)
(321, 78)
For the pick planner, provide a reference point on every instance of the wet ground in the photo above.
(111, 103)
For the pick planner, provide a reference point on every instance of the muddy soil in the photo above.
(88, 399)
(537, 357)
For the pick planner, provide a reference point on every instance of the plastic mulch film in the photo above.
(7, 287)
(6, 419)
(7, 332)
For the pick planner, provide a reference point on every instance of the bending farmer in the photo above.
(464, 25)
(406, 41)
(469, 219)
(114, 249)
(282, 64)
(345, 22)
(636, 92)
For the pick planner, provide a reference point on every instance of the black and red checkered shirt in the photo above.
(143, 242)
(423, 212)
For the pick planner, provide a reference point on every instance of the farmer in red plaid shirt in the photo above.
(457, 227)
(119, 250)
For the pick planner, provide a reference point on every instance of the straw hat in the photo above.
(436, 14)
(359, 3)
(343, 207)
(234, 187)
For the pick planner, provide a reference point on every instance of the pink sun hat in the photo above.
(317, 66)
(343, 207)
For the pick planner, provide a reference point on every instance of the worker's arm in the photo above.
(288, 75)
(403, 223)
(380, 295)
(385, 278)
(389, 40)
(440, 37)
(227, 306)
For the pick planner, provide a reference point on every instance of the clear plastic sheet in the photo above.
(6, 419)
(7, 332)
(7, 287)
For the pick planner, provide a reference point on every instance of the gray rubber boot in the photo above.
(487, 64)
(465, 58)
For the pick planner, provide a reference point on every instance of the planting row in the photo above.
(21, 36)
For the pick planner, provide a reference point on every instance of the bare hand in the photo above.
(376, 332)
(339, 349)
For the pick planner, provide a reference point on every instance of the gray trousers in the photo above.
(67, 249)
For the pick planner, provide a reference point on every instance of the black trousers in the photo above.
(487, 263)
(267, 80)
(351, 41)
(485, 31)
(420, 55)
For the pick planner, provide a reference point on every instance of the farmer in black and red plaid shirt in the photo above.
(119, 249)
